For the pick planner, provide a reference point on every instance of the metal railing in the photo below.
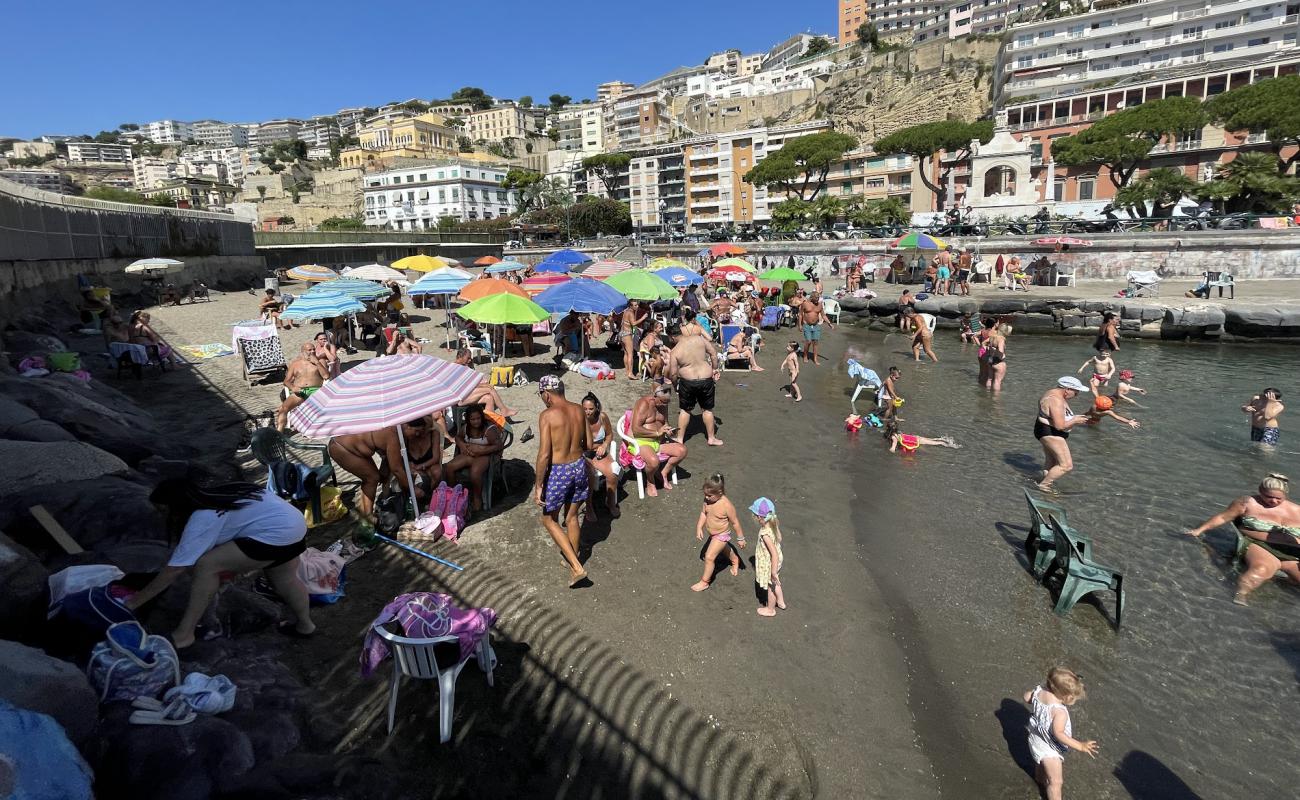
(285, 238)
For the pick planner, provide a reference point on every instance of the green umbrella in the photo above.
(504, 309)
(781, 274)
(640, 284)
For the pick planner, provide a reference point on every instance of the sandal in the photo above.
(177, 712)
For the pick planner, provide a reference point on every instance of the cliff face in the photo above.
(884, 92)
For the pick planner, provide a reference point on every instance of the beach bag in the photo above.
(331, 507)
(95, 610)
(64, 362)
(132, 663)
(450, 505)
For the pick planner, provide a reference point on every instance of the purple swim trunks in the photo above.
(566, 484)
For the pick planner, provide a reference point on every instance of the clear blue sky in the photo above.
(80, 66)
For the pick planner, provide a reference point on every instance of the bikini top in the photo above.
(1264, 526)
(599, 436)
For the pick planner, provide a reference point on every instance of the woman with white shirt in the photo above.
(234, 527)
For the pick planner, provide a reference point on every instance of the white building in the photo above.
(219, 134)
(506, 121)
(98, 153)
(226, 164)
(415, 197)
(1069, 54)
(150, 172)
(319, 131)
(49, 180)
(790, 50)
(349, 119)
(278, 130)
(168, 131)
(783, 79)
(581, 128)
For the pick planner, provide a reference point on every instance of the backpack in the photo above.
(451, 505)
(80, 619)
(132, 663)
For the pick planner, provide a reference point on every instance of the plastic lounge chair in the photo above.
(1220, 280)
(624, 430)
(270, 447)
(1080, 575)
(772, 316)
(1060, 274)
(1143, 284)
(1040, 545)
(831, 309)
(732, 363)
(420, 659)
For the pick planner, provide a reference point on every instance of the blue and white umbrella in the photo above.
(352, 287)
(551, 265)
(680, 276)
(444, 281)
(584, 295)
(505, 266)
(322, 305)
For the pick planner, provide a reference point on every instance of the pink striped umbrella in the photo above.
(604, 268)
(536, 284)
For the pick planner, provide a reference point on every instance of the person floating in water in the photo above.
(910, 443)
(1268, 525)
(1104, 407)
(1264, 409)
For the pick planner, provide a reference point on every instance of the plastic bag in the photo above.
(331, 507)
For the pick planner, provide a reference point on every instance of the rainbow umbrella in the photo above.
(679, 276)
(603, 269)
(640, 284)
(727, 249)
(486, 261)
(490, 286)
(542, 281)
(312, 273)
(734, 263)
(920, 241)
(422, 263)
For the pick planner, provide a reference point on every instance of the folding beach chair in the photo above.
(259, 348)
(1143, 284)
(733, 363)
(864, 377)
(772, 316)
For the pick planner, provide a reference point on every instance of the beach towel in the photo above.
(426, 615)
(862, 375)
(199, 352)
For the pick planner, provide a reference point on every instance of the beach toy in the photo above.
(874, 421)
(853, 423)
(898, 402)
(1104, 404)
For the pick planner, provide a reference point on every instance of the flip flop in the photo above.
(288, 629)
(177, 712)
(147, 704)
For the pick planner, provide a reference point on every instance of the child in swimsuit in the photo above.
(1125, 386)
(718, 517)
(910, 443)
(768, 558)
(1103, 368)
(791, 365)
(1050, 736)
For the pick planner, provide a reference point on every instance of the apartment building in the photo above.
(319, 131)
(219, 134)
(964, 17)
(29, 149)
(415, 197)
(733, 62)
(278, 130)
(226, 164)
(799, 75)
(581, 128)
(676, 82)
(48, 180)
(790, 50)
(150, 172)
(893, 17)
(195, 192)
(1068, 55)
(612, 90)
(98, 153)
(505, 121)
(636, 119)
(852, 14)
(452, 109)
(168, 131)
(349, 119)
(383, 138)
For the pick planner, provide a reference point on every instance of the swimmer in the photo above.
(910, 443)
(1103, 369)
(1124, 386)
(1104, 407)
(1264, 409)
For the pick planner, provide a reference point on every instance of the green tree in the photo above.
(591, 216)
(1123, 140)
(32, 160)
(108, 137)
(818, 46)
(1250, 182)
(881, 211)
(1271, 107)
(342, 143)
(261, 193)
(801, 166)
(464, 144)
(868, 35)
(473, 95)
(415, 106)
(526, 101)
(115, 195)
(147, 149)
(559, 101)
(447, 222)
(128, 126)
(827, 210)
(522, 179)
(1156, 193)
(553, 134)
(607, 167)
(792, 214)
(343, 224)
(923, 141)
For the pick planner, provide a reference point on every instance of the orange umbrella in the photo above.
(727, 249)
(486, 286)
(487, 261)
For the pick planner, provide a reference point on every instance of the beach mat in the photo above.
(199, 352)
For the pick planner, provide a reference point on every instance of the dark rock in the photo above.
(1035, 323)
(21, 423)
(272, 733)
(1098, 306)
(159, 468)
(930, 305)
(20, 344)
(1038, 307)
(1130, 324)
(182, 762)
(1002, 306)
(881, 306)
(24, 591)
(1195, 317)
(1145, 313)
(848, 317)
(30, 464)
(854, 304)
(38, 682)
(97, 506)
(1262, 321)
(967, 305)
(1072, 321)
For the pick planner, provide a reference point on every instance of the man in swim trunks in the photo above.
(812, 315)
(943, 276)
(1052, 427)
(1264, 409)
(304, 375)
(562, 484)
(654, 440)
(693, 366)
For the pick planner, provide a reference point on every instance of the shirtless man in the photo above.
(304, 375)
(484, 393)
(694, 367)
(1103, 368)
(562, 485)
(921, 336)
(943, 265)
(403, 345)
(633, 317)
(812, 316)
(1264, 409)
(355, 452)
(722, 307)
(270, 307)
(654, 437)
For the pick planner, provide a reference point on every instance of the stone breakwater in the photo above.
(1141, 317)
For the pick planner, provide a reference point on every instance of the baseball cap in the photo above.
(550, 383)
(1071, 382)
(762, 508)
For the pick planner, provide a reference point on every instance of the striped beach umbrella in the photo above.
(542, 281)
(322, 305)
(505, 266)
(375, 272)
(489, 286)
(352, 287)
(444, 281)
(665, 263)
(734, 263)
(605, 268)
(920, 241)
(312, 273)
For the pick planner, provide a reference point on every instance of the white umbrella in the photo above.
(154, 265)
(376, 272)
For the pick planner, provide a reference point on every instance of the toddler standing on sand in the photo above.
(1049, 728)
(768, 558)
(719, 518)
(791, 365)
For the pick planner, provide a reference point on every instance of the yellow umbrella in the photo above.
(665, 263)
(734, 263)
(422, 263)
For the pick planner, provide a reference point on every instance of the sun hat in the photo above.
(762, 508)
(549, 383)
(1071, 382)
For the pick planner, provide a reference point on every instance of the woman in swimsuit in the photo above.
(424, 449)
(1108, 336)
(477, 440)
(634, 317)
(910, 443)
(326, 353)
(141, 332)
(599, 457)
(993, 361)
(1268, 528)
(1052, 428)
(1103, 368)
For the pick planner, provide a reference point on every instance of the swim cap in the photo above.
(762, 508)
(1104, 404)
(1126, 374)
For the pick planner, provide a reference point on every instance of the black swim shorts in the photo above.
(691, 393)
(277, 554)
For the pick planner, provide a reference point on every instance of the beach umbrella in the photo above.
(352, 287)
(663, 263)
(322, 305)
(155, 266)
(731, 275)
(540, 282)
(727, 249)
(605, 268)
(444, 281)
(486, 261)
(734, 263)
(422, 263)
(1060, 240)
(503, 309)
(680, 276)
(549, 265)
(484, 287)
(375, 272)
(921, 241)
(584, 295)
(781, 274)
(640, 284)
(312, 273)
(505, 266)
(569, 257)
(381, 393)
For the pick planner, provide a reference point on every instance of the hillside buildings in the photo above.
(48, 180)
(168, 131)
(386, 137)
(415, 197)
(505, 121)
(219, 134)
(278, 130)
(612, 90)
(98, 153)
(580, 129)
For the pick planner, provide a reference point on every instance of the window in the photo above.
(1087, 186)
(455, 193)
(1074, 52)
(1058, 190)
(845, 188)
(442, 195)
(410, 179)
(1263, 40)
(1024, 61)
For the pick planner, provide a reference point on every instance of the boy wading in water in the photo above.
(718, 518)
(1049, 728)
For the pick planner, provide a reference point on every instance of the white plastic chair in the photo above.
(832, 309)
(415, 658)
(1061, 274)
(623, 428)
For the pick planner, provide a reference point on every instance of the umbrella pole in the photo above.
(410, 479)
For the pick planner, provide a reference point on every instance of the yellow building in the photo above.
(387, 137)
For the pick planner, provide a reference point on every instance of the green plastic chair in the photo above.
(269, 446)
(1080, 575)
(1040, 544)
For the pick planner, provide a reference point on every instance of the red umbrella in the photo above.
(542, 281)
(727, 249)
(1059, 240)
(730, 275)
